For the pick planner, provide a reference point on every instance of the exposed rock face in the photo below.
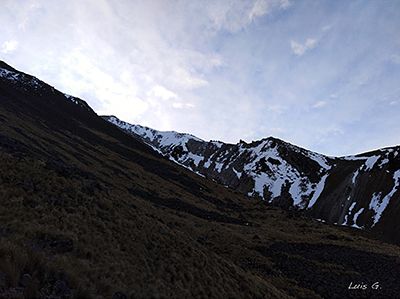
(359, 191)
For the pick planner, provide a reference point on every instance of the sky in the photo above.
(324, 75)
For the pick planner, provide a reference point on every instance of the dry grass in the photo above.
(115, 218)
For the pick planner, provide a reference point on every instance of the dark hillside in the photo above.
(87, 211)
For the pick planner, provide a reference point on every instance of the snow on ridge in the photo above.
(17, 77)
(10, 75)
(137, 129)
(171, 137)
(320, 159)
(73, 99)
(219, 144)
(7, 73)
(368, 164)
(168, 138)
(164, 139)
(353, 158)
(380, 205)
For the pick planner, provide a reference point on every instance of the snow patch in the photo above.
(384, 161)
(379, 205)
(300, 188)
(355, 218)
(318, 190)
(349, 212)
(353, 158)
(238, 174)
(207, 164)
(321, 160)
(371, 162)
(355, 176)
(195, 158)
(218, 166)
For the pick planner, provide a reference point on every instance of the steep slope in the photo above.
(89, 211)
(363, 191)
(360, 191)
(262, 168)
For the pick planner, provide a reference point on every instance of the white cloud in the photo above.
(285, 4)
(319, 104)
(327, 28)
(262, 7)
(9, 46)
(182, 105)
(300, 49)
(161, 92)
(178, 105)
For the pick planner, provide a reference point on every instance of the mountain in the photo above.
(360, 191)
(88, 211)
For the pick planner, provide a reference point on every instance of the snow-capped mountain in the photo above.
(263, 168)
(355, 190)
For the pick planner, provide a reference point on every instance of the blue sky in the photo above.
(324, 75)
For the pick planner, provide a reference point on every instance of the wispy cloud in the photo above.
(327, 28)
(182, 105)
(319, 104)
(234, 15)
(300, 49)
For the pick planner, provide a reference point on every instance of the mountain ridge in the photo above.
(287, 175)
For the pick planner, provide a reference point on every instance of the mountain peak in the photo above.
(285, 174)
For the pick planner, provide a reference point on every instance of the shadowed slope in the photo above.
(80, 195)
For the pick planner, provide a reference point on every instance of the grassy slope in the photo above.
(114, 216)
